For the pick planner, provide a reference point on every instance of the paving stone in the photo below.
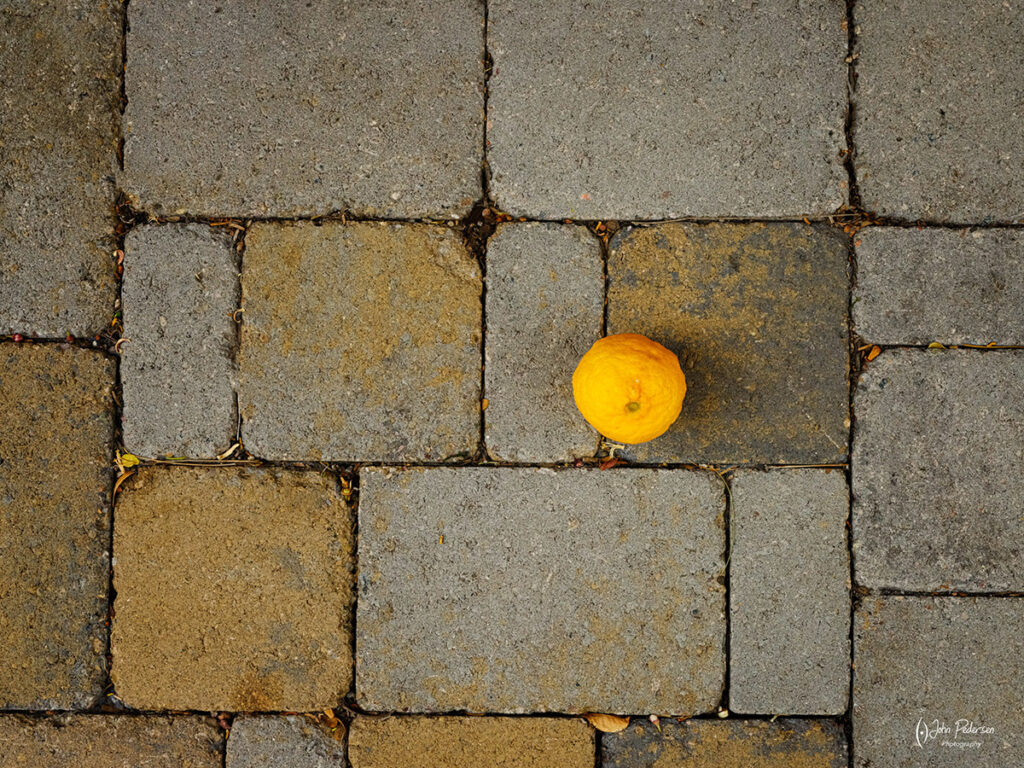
(662, 110)
(937, 120)
(261, 109)
(726, 744)
(936, 497)
(359, 342)
(472, 594)
(958, 287)
(469, 742)
(110, 741)
(179, 290)
(923, 665)
(789, 582)
(545, 305)
(758, 316)
(233, 591)
(60, 99)
(56, 462)
(283, 742)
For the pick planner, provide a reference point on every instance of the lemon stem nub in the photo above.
(633, 407)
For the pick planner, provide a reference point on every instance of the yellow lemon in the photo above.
(629, 388)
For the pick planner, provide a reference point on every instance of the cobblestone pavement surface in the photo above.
(290, 299)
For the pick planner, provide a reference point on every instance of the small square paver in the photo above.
(60, 69)
(111, 741)
(952, 286)
(937, 682)
(937, 119)
(658, 110)
(789, 593)
(731, 743)
(758, 316)
(935, 475)
(294, 741)
(233, 591)
(545, 306)
(180, 288)
(263, 109)
(360, 342)
(56, 477)
(474, 596)
(470, 742)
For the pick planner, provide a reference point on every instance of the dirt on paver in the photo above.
(785, 742)
(111, 741)
(234, 591)
(59, 76)
(758, 316)
(468, 742)
(360, 342)
(56, 474)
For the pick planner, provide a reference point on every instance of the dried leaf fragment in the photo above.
(875, 352)
(607, 723)
(228, 452)
(333, 724)
(936, 345)
(120, 480)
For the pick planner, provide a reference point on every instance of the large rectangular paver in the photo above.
(470, 742)
(273, 741)
(526, 590)
(936, 471)
(359, 342)
(233, 590)
(937, 682)
(758, 316)
(958, 287)
(657, 110)
(262, 109)
(545, 304)
(789, 593)
(60, 100)
(111, 741)
(56, 476)
(733, 743)
(937, 119)
(178, 294)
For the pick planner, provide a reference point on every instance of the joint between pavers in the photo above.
(477, 229)
(854, 360)
(851, 86)
(93, 345)
(488, 68)
(726, 476)
(123, 85)
(855, 365)
(934, 346)
(863, 593)
(347, 482)
(847, 218)
(348, 711)
(352, 467)
(226, 727)
(238, 318)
